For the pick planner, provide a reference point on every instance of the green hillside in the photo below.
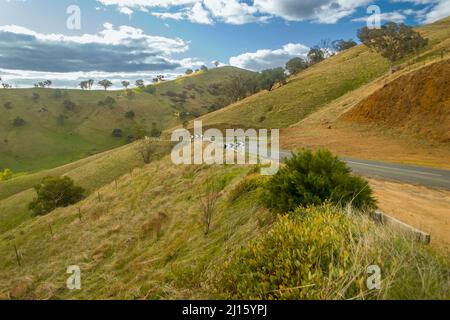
(143, 239)
(139, 232)
(91, 173)
(56, 132)
(321, 84)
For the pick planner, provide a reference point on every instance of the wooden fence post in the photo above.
(17, 255)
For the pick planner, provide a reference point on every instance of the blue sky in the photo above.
(131, 39)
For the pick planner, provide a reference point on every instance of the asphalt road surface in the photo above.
(425, 176)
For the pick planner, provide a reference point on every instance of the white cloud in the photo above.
(195, 14)
(436, 9)
(441, 10)
(266, 59)
(242, 12)
(109, 36)
(125, 10)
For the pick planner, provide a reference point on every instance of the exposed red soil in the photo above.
(417, 103)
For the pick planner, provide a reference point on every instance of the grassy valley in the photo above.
(61, 126)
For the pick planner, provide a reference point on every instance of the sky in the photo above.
(68, 41)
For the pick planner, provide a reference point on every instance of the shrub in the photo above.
(19, 122)
(6, 174)
(117, 133)
(109, 102)
(150, 89)
(208, 203)
(295, 260)
(69, 105)
(54, 193)
(313, 178)
(245, 186)
(7, 105)
(130, 115)
(324, 253)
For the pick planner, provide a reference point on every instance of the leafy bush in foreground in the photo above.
(53, 193)
(324, 253)
(6, 174)
(314, 178)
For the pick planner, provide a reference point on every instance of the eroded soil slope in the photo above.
(417, 103)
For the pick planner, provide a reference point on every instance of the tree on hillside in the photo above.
(83, 85)
(217, 64)
(189, 71)
(145, 150)
(342, 45)
(204, 68)
(90, 83)
(296, 65)
(125, 84)
(140, 84)
(393, 41)
(316, 55)
(161, 78)
(54, 193)
(238, 87)
(105, 84)
(47, 83)
(271, 77)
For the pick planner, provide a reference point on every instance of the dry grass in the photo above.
(115, 243)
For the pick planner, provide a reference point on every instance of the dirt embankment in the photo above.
(417, 104)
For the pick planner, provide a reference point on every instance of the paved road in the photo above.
(425, 176)
(429, 177)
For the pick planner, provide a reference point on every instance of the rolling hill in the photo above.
(138, 234)
(323, 83)
(62, 126)
(142, 238)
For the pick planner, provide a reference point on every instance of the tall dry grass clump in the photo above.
(325, 253)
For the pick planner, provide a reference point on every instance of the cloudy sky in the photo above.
(68, 41)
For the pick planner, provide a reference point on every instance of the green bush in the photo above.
(54, 193)
(245, 186)
(313, 178)
(19, 122)
(295, 260)
(324, 253)
(7, 174)
(117, 133)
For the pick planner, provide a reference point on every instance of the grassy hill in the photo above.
(393, 133)
(140, 234)
(56, 132)
(143, 239)
(91, 173)
(316, 87)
